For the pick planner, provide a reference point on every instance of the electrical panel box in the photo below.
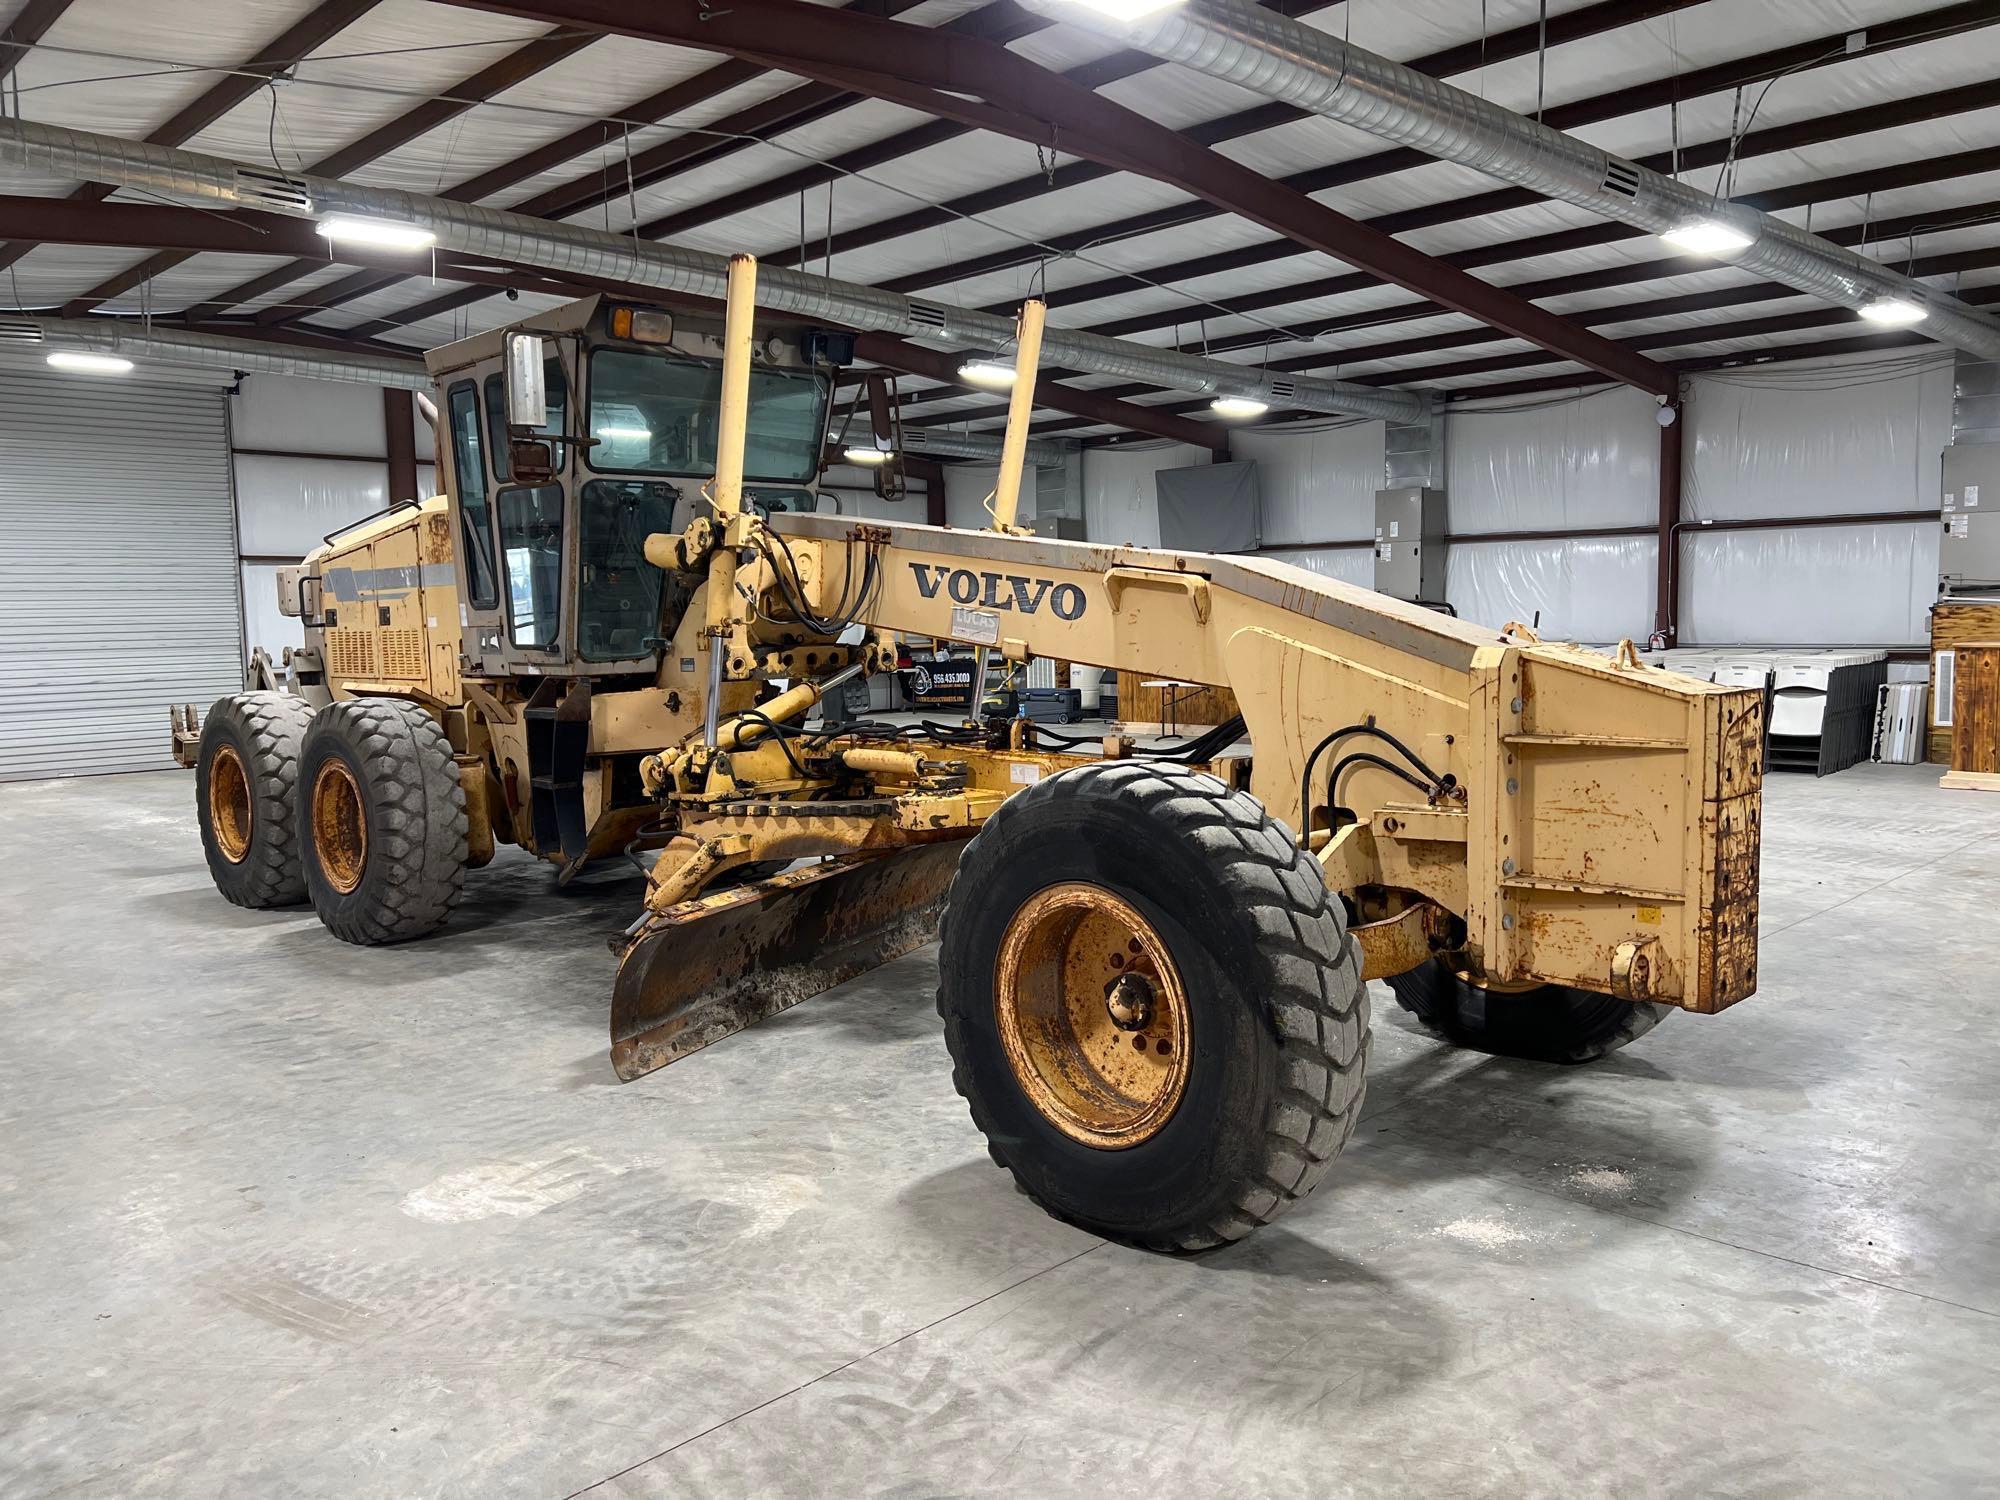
(1062, 528)
(1969, 550)
(1410, 544)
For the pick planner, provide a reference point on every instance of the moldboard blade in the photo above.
(707, 968)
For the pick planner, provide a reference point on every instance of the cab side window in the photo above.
(469, 463)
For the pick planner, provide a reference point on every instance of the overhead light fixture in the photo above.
(90, 364)
(1127, 10)
(1708, 237)
(1894, 312)
(386, 234)
(990, 373)
(867, 456)
(614, 434)
(1237, 408)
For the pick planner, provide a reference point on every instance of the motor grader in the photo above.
(1152, 966)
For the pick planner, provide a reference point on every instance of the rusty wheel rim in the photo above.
(1093, 1015)
(340, 833)
(232, 815)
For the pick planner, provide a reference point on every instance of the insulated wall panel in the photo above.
(1575, 465)
(263, 625)
(1808, 585)
(287, 414)
(286, 506)
(1817, 438)
(1348, 564)
(1588, 589)
(1119, 503)
(1316, 486)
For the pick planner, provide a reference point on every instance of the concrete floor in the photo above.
(280, 1217)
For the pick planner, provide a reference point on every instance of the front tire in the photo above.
(1549, 1023)
(383, 815)
(1133, 906)
(245, 772)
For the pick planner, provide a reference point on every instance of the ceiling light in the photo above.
(1236, 408)
(1894, 312)
(987, 372)
(623, 434)
(869, 456)
(1126, 10)
(1708, 237)
(90, 364)
(387, 234)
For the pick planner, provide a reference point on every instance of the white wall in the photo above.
(1572, 465)
(286, 505)
(1829, 441)
(1822, 437)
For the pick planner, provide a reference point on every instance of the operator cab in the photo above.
(575, 434)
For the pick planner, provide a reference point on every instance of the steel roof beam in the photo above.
(1953, 263)
(935, 71)
(1807, 133)
(29, 27)
(195, 231)
(698, 147)
(320, 25)
(1803, 56)
(517, 66)
(1521, 41)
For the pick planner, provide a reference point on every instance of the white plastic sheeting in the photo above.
(262, 624)
(1318, 486)
(285, 506)
(1809, 586)
(1805, 439)
(308, 416)
(1348, 564)
(1119, 503)
(1572, 466)
(1583, 589)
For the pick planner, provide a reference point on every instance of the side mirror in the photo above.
(532, 460)
(527, 387)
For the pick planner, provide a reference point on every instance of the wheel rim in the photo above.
(340, 834)
(231, 813)
(1093, 1015)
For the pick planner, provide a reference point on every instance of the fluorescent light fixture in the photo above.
(987, 372)
(1894, 312)
(1236, 408)
(1126, 10)
(869, 456)
(387, 234)
(90, 364)
(1708, 237)
(612, 434)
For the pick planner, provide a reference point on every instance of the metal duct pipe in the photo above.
(570, 249)
(1282, 59)
(207, 350)
(932, 443)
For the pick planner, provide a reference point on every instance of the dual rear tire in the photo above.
(357, 807)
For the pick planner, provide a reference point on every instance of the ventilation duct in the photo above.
(1261, 50)
(932, 443)
(596, 254)
(162, 341)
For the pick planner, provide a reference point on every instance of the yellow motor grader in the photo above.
(1152, 967)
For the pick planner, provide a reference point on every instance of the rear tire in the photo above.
(245, 773)
(1255, 979)
(1550, 1023)
(382, 813)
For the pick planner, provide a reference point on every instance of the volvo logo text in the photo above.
(999, 591)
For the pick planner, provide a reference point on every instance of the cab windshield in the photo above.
(656, 413)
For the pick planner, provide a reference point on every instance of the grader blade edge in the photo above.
(710, 967)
